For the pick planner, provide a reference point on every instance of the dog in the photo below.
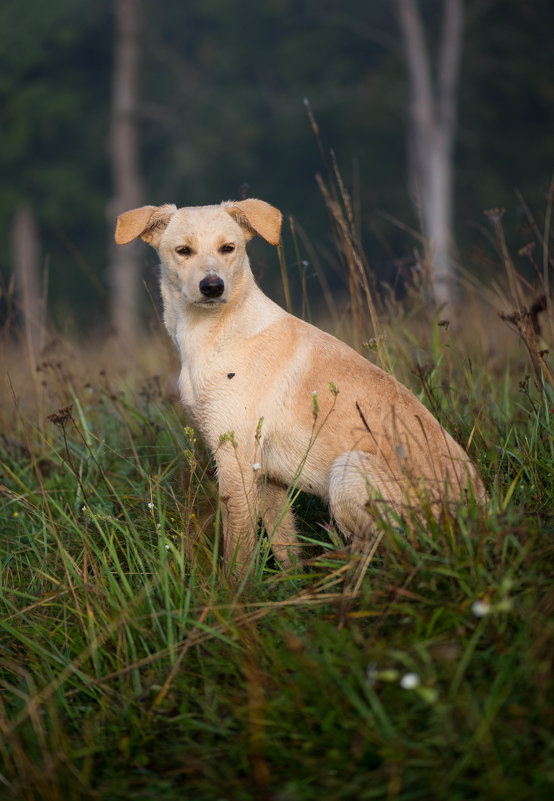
(282, 404)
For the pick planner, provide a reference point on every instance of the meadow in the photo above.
(133, 666)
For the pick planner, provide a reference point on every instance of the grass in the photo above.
(131, 667)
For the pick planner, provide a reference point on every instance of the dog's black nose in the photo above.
(212, 286)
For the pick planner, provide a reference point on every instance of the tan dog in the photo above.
(281, 403)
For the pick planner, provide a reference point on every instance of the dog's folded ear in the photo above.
(148, 222)
(258, 217)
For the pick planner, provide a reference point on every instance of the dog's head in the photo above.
(202, 248)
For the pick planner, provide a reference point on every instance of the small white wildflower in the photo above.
(314, 392)
(83, 508)
(167, 547)
(150, 505)
(480, 608)
(410, 681)
(256, 466)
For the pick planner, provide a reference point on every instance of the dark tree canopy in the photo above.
(222, 106)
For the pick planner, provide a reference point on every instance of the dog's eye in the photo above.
(183, 250)
(229, 248)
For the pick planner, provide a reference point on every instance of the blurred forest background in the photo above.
(217, 112)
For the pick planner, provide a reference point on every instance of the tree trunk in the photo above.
(124, 261)
(431, 133)
(26, 261)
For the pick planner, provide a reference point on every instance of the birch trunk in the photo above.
(124, 261)
(431, 134)
(26, 261)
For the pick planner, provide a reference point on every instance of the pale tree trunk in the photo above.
(26, 262)
(431, 133)
(124, 261)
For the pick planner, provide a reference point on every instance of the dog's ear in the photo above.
(148, 222)
(258, 217)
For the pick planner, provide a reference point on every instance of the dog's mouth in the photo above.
(210, 301)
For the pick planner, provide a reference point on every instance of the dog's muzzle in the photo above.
(212, 286)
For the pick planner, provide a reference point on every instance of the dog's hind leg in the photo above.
(279, 523)
(361, 494)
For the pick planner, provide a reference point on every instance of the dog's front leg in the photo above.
(240, 504)
(279, 523)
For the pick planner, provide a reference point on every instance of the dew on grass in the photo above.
(480, 608)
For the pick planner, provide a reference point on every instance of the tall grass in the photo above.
(131, 666)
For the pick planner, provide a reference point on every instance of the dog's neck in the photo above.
(200, 330)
